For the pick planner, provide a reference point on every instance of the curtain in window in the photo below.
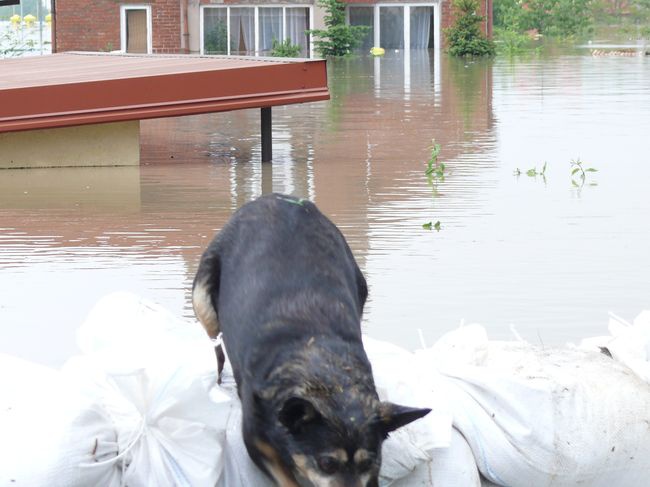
(297, 24)
(242, 30)
(421, 27)
(215, 31)
(364, 16)
(270, 27)
(391, 27)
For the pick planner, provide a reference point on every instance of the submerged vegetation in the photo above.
(517, 22)
(533, 172)
(338, 38)
(435, 173)
(579, 173)
(432, 226)
(435, 170)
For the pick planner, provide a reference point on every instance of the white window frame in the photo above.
(123, 9)
(407, 20)
(284, 7)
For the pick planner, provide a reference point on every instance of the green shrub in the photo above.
(338, 38)
(285, 49)
(464, 37)
(511, 42)
(555, 18)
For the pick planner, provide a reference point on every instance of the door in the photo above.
(136, 27)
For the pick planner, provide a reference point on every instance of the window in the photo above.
(398, 26)
(391, 27)
(215, 31)
(364, 16)
(248, 30)
(136, 28)
(270, 28)
(421, 27)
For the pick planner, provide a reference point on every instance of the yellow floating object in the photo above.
(15, 19)
(377, 51)
(48, 18)
(29, 19)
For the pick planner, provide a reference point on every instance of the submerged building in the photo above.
(240, 27)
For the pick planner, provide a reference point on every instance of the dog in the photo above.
(281, 285)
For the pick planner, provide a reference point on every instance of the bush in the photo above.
(464, 37)
(338, 38)
(511, 42)
(558, 18)
(285, 49)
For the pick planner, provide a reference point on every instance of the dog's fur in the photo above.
(281, 284)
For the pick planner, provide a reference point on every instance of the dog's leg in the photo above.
(205, 294)
(221, 360)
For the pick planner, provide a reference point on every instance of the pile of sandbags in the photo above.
(537, 418)
(140, 407)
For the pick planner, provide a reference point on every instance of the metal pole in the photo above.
(39, 14)
(267, 139)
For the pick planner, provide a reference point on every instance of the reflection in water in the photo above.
(511, 249)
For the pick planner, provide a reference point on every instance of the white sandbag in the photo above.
(537, 418)
(155, 375)
(453, 466)
(139, 408)
(50, 431)
(629, 343)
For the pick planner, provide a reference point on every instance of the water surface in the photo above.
(535, 252)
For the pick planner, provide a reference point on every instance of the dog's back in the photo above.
(281, 284)
(282, 262)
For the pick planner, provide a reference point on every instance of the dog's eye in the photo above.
(328, 465)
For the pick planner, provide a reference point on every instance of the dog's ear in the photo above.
(392, 416)
(296, 413)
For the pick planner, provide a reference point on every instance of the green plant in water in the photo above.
(435, 173)
(532, 172)
(435, 170)
(464, 37)
(579, 173)
(511, 42)
(431, 225)
(338, 38)
(285, 49)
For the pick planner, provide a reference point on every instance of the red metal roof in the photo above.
(82, 88)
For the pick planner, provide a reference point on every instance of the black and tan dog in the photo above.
(281, 284)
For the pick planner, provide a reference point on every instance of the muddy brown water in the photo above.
(536, 252)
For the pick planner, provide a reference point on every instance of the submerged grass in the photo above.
(435, 173)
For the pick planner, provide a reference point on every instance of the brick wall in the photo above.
(95, 26)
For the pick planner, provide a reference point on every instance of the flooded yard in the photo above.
(534, 251)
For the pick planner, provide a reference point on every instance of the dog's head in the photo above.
(319, 442)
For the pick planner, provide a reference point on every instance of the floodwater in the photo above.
(531, 251)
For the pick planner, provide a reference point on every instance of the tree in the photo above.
(338, 38)
(464, 37)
